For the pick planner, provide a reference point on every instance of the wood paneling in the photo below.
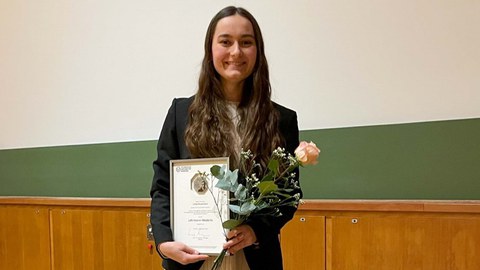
(24, 238)
(93, 233)
(404, 242)
(303, 243)
(101, 239)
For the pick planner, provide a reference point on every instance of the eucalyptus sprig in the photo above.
(262, 191)
(254, 194)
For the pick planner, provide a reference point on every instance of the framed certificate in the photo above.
(197, 207)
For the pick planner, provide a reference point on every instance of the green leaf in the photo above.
(227, 179)
(224, 184)
(262, 205)
(266, 187)
(245, 209)
(268, 177)
(217, 171)
(273, 166)
(234, 208)
(241, 192)
(232, 178)
(231, 224)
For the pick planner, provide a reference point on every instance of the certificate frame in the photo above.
(197, 207)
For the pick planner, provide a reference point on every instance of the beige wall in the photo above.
(75, 72)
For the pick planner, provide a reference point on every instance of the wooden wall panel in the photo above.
(24, 238)
(96, 233)
(101, 239)
(303, 243)
(404, 242)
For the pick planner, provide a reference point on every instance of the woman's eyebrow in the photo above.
(248, 35)
(224, 35)
(242, 36)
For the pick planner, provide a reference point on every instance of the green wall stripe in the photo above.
(99, 170)
(431, 160)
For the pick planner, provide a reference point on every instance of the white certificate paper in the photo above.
(197, 207)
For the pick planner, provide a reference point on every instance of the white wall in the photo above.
(76, 72)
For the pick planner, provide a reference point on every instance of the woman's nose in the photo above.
(236, 50)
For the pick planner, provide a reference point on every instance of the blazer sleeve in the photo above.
(268, 227)
(167, 149)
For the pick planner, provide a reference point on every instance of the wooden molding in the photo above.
(445, 206)
(74, 201)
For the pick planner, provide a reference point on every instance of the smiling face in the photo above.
(234, 51)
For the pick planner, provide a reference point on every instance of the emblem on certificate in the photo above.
(197, 207)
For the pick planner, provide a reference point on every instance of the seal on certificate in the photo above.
(199, 183)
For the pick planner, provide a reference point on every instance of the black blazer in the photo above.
(171, 145)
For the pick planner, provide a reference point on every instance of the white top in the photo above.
(235, 117)
(237, 261)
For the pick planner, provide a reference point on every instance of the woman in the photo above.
(231, 110)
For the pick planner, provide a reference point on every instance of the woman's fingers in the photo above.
(239, 238)
(181, 253)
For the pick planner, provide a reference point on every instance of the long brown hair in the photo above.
(207, 133)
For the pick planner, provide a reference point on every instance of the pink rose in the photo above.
(307, 153)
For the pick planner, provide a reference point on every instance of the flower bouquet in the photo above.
(260, 190)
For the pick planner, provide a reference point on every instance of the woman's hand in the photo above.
(239, 238)
(180, 252)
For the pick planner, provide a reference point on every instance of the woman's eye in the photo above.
(225, 42)
(247, 43)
